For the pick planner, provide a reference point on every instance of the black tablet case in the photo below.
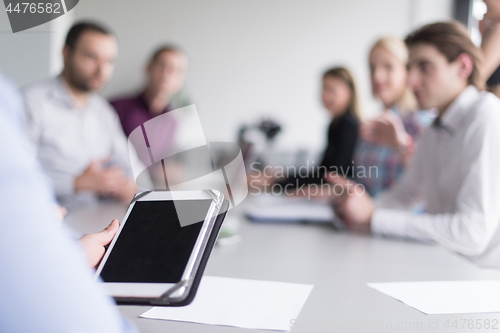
(198, 275)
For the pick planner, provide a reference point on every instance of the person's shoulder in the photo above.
(10, 100)
(38, 89)
(349, 121)
(488, 99)
(36, 97)
(124, 101)
(482, 117)
(487, 108)
(9, 93)
(102, 104)
(6, 85)
(105, 110)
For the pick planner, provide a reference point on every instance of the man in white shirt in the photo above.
(455, 170)
(78, 137)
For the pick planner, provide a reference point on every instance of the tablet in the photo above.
(158, 247)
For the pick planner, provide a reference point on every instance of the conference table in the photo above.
(338, 263)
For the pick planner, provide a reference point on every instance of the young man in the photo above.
(455, 169)
(45, 283)
(76, 133)
(166, 72)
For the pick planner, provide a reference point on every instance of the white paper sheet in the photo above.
(445, 297)
(250, 304)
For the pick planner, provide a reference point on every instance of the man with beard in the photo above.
(77, 135)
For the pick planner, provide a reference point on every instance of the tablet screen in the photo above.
(152, 246)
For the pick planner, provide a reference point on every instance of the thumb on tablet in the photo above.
(93, 244)
(105, 236)
(110, 231)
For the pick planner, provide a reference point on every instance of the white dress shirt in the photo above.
(68, 139)
(455, 173)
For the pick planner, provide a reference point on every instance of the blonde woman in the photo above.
(387, 143)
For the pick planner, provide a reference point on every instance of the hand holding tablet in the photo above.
(162, 247)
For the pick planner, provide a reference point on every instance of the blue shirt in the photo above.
(45, 283)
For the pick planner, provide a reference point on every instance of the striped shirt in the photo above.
(377, 167)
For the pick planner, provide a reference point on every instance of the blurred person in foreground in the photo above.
(46, 283)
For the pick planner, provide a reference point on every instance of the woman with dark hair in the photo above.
(339, 97)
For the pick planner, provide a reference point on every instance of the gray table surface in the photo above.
(338, 264)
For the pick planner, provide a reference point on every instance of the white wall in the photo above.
(429, 11)
(24, 56)
(258, 58)
(249, 58)
(33, 54)
(60, 27)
